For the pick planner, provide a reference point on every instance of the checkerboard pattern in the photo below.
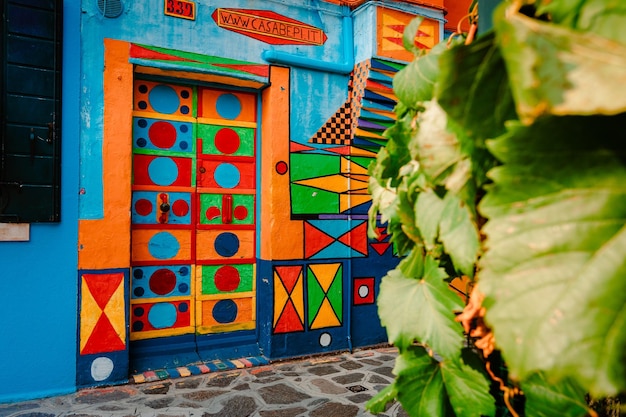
(358, 82)
(337, 130)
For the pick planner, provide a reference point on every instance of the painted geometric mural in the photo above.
(193, 209)
(325, 295)
(288, 299)
(329, 173)
(390, 29)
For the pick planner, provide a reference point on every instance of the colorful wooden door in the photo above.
(193, 214)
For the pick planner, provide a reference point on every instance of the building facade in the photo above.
(185, 182)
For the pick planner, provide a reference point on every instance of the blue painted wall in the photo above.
(38, 277)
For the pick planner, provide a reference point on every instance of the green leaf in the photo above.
(604, 18)
(415, 83)
(467, 389)
(553, 272)
(546, 398)
(561, 71)
(474, 89)
(378, 403)
(435, 148)
(428, 211)
(459, 234)
(428, 388)
(410, 32)
(421, 309)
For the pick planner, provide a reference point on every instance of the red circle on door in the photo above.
(227, 140)
(162, 281)
(227, 278)
(162, 134)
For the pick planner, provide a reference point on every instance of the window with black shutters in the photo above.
(30, 111)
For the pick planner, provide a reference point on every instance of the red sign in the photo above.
(181, 8)
(269, 27)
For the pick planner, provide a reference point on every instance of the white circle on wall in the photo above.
(364, 291)
(101, 368)
(325, 339)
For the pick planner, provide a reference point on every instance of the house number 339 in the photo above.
(180, 8)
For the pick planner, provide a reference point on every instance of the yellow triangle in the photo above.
(347, 201)
(345, 165)
(366, 134)
(115, 311)
(297, 296)
(387, 45)
(90, 313)
(354, 151)
(280, 297)
(390, 20)
(325, 274)
(334, 183)
(326, 316)
(389, 32)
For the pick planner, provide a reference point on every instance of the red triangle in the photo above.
(297, 147)
(103, 338)
(380, 247)
(137, 51)
(289, 276)
(381, 233)
(260, 70)
(397, 28)
(356, 238)
(341, 150)
(376, 86)
(289, 320)
(315, 240)
(102, 286)
(397, 41)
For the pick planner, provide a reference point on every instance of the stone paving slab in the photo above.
(323, 386)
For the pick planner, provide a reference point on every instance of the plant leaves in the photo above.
(428, 388)
(546, 398)
(421, 308)
(409, 34)
(415, 83)
(474, 89)
(557, 70)
(467, 389)
(378, 403)
(428, 211)
(459, 234)
(553, 272)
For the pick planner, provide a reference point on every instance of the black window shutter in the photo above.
(30, 159)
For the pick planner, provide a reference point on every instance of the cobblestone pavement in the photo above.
(324, 386)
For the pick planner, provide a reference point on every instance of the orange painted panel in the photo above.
(161, 245)
(390, 26)
(226, 314)
(226, 105)
(282, 237)
(105, 243)
(224, 245)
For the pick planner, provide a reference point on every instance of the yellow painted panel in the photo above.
(89, 314)
(156, 245)
(116, 311)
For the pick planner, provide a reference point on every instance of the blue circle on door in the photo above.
(228, 106)
(227, 175)
(164, 99)
(163, 245)
(163, 171)
(162, 315)
(226, 244)
(225, 311)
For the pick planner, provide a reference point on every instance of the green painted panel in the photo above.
(335, 293)
(211, 207)
(309, 200)
(362, 161)
(220, 279)
(226, 140)
(313, 165)
(315, 295)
